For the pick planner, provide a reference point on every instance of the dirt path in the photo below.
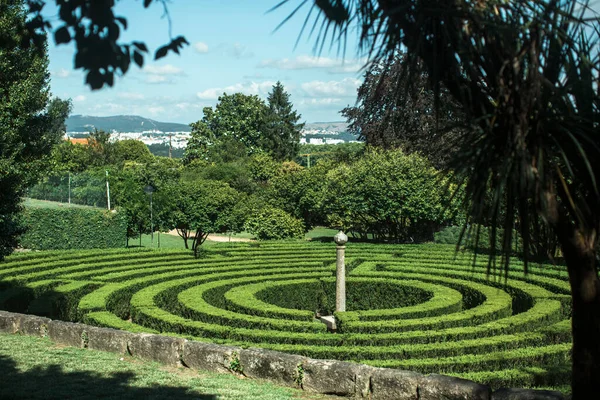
(218, 238)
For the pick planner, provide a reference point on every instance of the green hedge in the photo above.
(72, 228)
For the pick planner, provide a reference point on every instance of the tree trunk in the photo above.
(580, 256)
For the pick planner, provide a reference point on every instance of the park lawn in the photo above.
(36, 368)
(27, 202)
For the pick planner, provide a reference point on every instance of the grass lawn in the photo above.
(50, 204)
(35, 368)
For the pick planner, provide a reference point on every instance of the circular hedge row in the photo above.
(417, 307)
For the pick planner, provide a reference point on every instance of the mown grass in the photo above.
(35, 368)
(50, 204)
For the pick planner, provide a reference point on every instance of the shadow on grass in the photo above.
(52, 382)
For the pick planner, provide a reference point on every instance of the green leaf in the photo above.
(138, 59)
(62, 35)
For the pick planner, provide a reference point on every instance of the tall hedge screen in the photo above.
(72, 228)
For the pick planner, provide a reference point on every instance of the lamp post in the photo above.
(149, 189)
(340, 279)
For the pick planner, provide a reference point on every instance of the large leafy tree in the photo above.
(233, 129)
(396, 108)
(526, 74)
(281, 137)
(29, 124)
(200, 208)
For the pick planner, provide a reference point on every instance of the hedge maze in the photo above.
(416, 307)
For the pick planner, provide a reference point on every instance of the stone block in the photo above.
(271, 365)
(394, 384)
(112, 340)
(335, 377)
(163, 349)
(526, 394)
(435, 387)
(208, 357)
(8, 322)
(66, 333)
(33, 325)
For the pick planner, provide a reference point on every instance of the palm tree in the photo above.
(527, 76)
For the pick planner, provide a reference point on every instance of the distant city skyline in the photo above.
(232, 49)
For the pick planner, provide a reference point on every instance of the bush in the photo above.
(72, 228)
(274, 223)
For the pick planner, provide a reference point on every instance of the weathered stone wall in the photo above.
(319, 376)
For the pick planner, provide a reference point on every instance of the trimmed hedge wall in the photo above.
(72, 228)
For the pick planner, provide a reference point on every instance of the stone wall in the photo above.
(319, 376)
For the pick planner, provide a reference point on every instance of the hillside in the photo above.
(121, 123)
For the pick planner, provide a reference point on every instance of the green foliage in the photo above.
(231, 130)
(72, 228)
(198, 208)
(29, 123)
(281, 130)
(274, 223)
(389, 195)
(131, 150)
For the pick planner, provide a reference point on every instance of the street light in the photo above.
(149, 189)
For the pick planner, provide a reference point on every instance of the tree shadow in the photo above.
(51, 382)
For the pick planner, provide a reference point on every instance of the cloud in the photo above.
(130, 96)
(236, 50)
(156, 110)
(79, 98)
(309, 62)
(63, 73)
(163, 70)
(162, 74)
(344, 88)
(258, 88)
(201, 47)
(321, 102)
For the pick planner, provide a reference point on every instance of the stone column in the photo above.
(340, 280)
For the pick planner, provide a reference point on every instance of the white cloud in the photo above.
(79, 98)
(156, 110)
(163, 70)
(258, 88)
(344, 88)
(162, 74)
(321, 102)
(201, 47)
(63, 73)
(130, 96)
(158, 79)
(307, 62)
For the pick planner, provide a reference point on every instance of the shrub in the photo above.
(72, 228)
(274, 223)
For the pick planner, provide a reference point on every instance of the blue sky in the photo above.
(233, 49)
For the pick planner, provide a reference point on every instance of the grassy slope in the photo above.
(50, 204)
(35, 368)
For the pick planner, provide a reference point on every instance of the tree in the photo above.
(396, 108)
(389, 195)
(131, 150)
(232, 130)
(282, 130)
(29, 125)
(200, 208)
(95, 30)
(526, 75)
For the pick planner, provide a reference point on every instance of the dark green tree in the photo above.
(526, 75)
(281, 135)
(396, 109)
(29, 125)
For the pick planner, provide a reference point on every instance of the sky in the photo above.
(233, 48)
